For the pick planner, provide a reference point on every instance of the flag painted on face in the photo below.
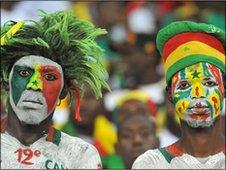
(44, 78)
(199, 82)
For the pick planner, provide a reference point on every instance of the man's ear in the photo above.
(63, 93)
(169, 94)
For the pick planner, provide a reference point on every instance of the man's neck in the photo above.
(201, 142)
(26, 134)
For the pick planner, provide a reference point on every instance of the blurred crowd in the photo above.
(136, 115)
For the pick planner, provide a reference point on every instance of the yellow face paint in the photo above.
(35, 83)
(214, 100)
(181, 108)
(197, 94)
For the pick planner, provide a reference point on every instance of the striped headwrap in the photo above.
(184, 43)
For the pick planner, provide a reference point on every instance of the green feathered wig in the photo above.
(62, 38)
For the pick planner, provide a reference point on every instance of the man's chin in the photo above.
(199, 124)
(29, 123)
(31, 119)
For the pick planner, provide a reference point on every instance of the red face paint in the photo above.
(217, 74)
(175, 80)
(215, 103)
(180, 109)
(197, 91)
(52, 83)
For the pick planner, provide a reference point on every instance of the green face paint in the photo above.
(20, 78)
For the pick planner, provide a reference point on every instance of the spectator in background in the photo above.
(136, 134)
(90, 108)
(95, 127)
(136, 129)
(194, 62)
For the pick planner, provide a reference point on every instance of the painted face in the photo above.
(35, 84)
(198, 94)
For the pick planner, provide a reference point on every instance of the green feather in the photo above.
(63, 38)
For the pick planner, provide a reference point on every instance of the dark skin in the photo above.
(193, 140)
(172, 125)
(200, 142)
(90, 108)
(136, 134)
(25, 133)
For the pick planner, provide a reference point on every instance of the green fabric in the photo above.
(20, 83)
(190, 60)
(187, 26)
(113, 161)
(57, 137)
(69, 128)
(63, 38)
(168, 156)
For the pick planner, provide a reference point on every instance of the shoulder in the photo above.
(75, 143)
(85, 153)
(151, 159)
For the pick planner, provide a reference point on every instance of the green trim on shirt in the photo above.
(168, 156)
(57, 137)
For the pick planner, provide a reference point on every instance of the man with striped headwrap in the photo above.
(194, 62)
(40, 63)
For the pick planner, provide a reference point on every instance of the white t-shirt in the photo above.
(163, 159)
(60, 151)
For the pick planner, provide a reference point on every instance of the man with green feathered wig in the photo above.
(41, 62)
(194, 62)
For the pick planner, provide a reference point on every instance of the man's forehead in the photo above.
(33, 60)
(201, 67)
(137, 120)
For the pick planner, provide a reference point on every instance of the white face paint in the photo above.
(35, 84)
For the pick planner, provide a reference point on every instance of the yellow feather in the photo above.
(11, 32)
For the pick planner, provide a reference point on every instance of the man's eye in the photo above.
(50, 77)
(183, 85)
(24, 73)
(145, 133)
(210, 83)
(126, 136)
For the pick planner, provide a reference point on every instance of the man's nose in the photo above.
(35, 82)
(137, 140)
(198, 91)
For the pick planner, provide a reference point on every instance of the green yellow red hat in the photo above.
(184, 43)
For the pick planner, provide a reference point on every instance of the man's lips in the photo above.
(199, 116)
(199, 112)
(32, 101)
(198, 109)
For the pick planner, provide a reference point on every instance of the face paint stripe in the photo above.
(211, 108)
(206, 70)
(216, 73)
(35, 82)
(175, 80)
(19, 82)
(183, 105)
(219, 96)
(197, 91)
(214, 99)
(182, 74)
(50, 92)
